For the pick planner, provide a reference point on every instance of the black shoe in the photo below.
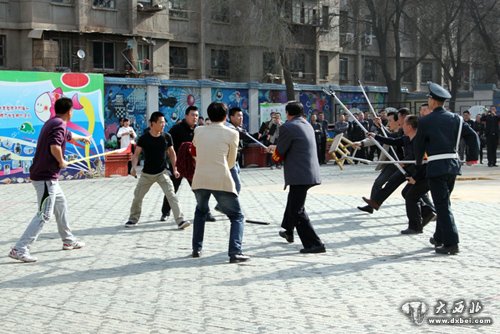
(434, 242)
(209, 217)
(314, 249)
(427, 219)
(288, 237)
(448, 250)
(238, 258)
(130, 224)
(371, 203)
(196, 254)
(366, 208)
(410, 231)
(164, 217)
(183, 224)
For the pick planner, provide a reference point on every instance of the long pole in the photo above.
(121, 150)
(375, 115)
(332, 93)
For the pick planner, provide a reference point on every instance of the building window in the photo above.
(178, 9)
(2, 50)
(269, 63)
(69, 2)
(343, 22)
(343, 68)
(144, 55)
(220, 63)
(370, 70)
(298, 64)
(325, 17)
(178, 61)
(408, 76)
(104, 55)
(64, 52)
(220, 11)
(426, 72)
(110, 4)
(323, 67)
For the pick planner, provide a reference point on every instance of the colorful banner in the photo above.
(272, 96)
(124, 101)
(233, 98)
(173, 102)
(27, 102)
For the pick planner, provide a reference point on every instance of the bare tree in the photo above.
(485, 14)
(445, 34)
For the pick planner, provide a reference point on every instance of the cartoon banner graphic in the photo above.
(124, 101)
(357, 100)
(272, 96)
(27, 102)
(173, 102)
(314, 101)
(233, 98)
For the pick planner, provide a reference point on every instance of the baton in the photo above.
(332, 93)
(121, 150)
(251, 137)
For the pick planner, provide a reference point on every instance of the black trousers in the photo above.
(296, 217)
(446, 230)
(395, 180)
(417, 203)
(322, 151)
(491, 149)
(382, 178)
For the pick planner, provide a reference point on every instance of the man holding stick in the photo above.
(44, 174)
(296, 147)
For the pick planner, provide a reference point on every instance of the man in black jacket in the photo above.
(182, 132)
(491, 121)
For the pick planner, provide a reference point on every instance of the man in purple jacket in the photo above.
(44, 174)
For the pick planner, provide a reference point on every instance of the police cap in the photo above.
(437, 92)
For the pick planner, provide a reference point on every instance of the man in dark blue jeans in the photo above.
(216, 149)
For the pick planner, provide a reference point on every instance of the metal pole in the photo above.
(332, 93)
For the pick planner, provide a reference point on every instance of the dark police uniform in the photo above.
(437, 136)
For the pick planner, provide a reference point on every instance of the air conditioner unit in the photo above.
(368, 40)
(349, 37)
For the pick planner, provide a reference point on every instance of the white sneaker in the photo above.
(24, 257)
(77, 244)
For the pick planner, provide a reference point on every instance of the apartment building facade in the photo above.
(224, 40)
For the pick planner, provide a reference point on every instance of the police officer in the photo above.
(438, 135)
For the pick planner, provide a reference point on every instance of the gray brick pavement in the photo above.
(142, 280)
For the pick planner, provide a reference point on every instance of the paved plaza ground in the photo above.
(143, 280)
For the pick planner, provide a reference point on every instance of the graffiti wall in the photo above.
(124, 101)
(233, 98)
(315, 101)
(357, 100)
(272, 96)
(27, 102)
(173, 102)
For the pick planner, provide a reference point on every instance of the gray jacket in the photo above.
(296, 143)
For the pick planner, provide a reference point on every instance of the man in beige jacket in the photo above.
(216, 148)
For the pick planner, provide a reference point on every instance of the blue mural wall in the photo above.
(124, 101)
(233, 98)
(173, 102)
(272, 96)
(315, 101)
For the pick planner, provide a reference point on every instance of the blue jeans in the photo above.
(230, 205)
(235, 173)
